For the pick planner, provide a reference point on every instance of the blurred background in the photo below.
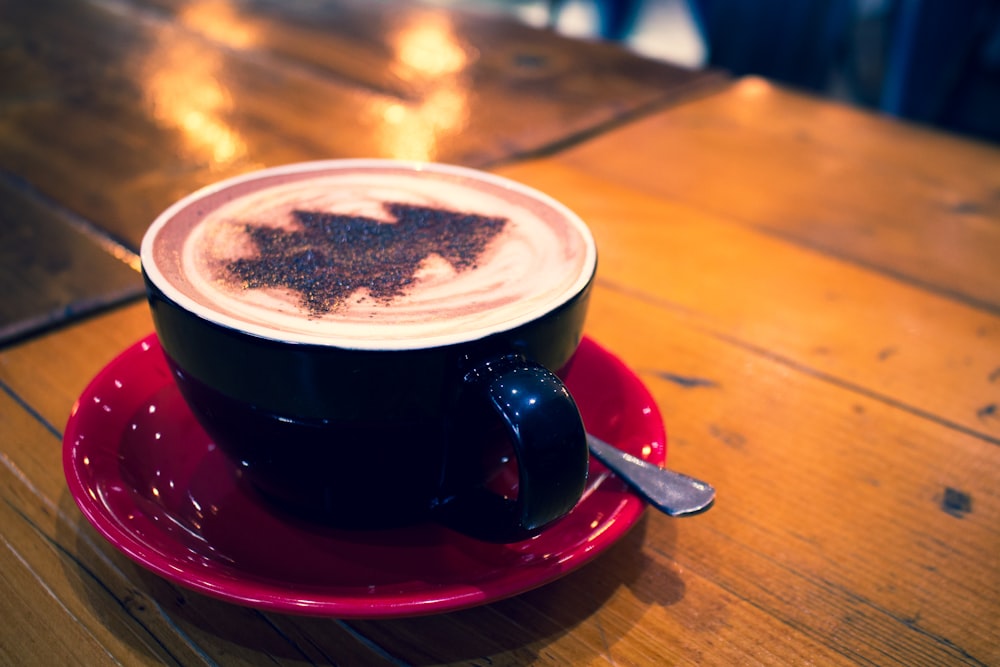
(935, 62)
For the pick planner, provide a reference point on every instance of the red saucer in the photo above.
(148, 478)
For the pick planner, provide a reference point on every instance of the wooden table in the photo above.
(810, 292)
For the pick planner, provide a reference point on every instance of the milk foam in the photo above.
(543, 256)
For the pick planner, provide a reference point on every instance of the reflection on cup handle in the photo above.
(544, 427)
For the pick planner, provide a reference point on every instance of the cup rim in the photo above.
(156, 277)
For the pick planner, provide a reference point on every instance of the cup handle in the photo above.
(544, 428)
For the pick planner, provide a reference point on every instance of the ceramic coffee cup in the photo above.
(374, 342)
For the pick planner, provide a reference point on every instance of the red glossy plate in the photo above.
(151, 481)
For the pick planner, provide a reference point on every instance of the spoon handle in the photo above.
(670, 492)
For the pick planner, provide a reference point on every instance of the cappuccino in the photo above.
(365, 254)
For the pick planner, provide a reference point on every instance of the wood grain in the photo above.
(112, 610)
(818, 576)
(918, 206)
(47, 575)
(831, 510)
(814, 311)
(53, 267)
(808, 291)
(116, 108)
(608, 600)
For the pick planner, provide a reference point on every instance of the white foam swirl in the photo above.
(543, 256)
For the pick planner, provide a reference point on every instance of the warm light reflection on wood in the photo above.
(217, 19)
(183, 87)
(429, 54)
(752, 86)
(428, 47)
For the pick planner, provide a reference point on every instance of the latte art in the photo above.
(369, 254)
(328, 258)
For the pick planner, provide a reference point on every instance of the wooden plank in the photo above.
(116, 109)
(631, 606)
(625, 587)
(30, 612)
(61, 585)
(831, 536)
(916, 205)
(832, 512)
(53, 267)
(50, 372)
(851, 493)
(932, 355)
(80, 569)
(62, 580)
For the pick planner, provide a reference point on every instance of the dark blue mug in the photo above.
(464, 423)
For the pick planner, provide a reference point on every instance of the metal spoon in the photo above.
(668, 491)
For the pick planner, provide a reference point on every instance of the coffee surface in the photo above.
(369, 254)
(326, 258)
